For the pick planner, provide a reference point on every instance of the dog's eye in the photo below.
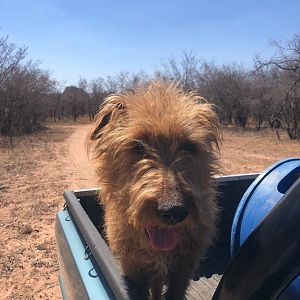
(139, 148)
(188, 147)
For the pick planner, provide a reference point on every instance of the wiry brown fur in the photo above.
(152, 145)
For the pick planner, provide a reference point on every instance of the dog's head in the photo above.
(155, 154)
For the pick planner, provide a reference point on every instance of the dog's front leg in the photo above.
(156, 288)
(178, 283)
(138, 278)
(140, 288)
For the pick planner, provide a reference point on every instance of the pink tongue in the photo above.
(163, 239)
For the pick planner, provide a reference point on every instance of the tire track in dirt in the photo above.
(79, 158)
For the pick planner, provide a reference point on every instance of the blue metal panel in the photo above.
(262, 195)
(259, 199)
(82, 277)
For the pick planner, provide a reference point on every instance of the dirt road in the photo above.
(79, 157)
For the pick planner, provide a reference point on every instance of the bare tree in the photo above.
(184, 72)
(10, 58)
(22, 98)
(228, 87)
(97, 95)
(264, 102)
(53, 102)
(287, 61)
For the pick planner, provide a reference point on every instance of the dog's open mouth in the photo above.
(164, 239)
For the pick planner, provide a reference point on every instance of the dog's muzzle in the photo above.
(172, 214)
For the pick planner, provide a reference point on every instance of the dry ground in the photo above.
(33, 176)
(36, 171)
(252, 151)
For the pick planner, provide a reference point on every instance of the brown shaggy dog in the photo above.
(155, 156)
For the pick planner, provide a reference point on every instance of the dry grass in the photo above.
(253, 151)
(33, 176)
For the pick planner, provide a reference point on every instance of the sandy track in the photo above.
(79, 157)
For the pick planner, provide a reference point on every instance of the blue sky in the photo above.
(98, 38)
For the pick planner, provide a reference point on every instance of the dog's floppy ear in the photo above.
(111, 110)
(209, 121)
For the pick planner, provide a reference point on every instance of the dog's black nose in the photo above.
(172, 215)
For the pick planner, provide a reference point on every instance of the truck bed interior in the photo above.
(84, 207)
